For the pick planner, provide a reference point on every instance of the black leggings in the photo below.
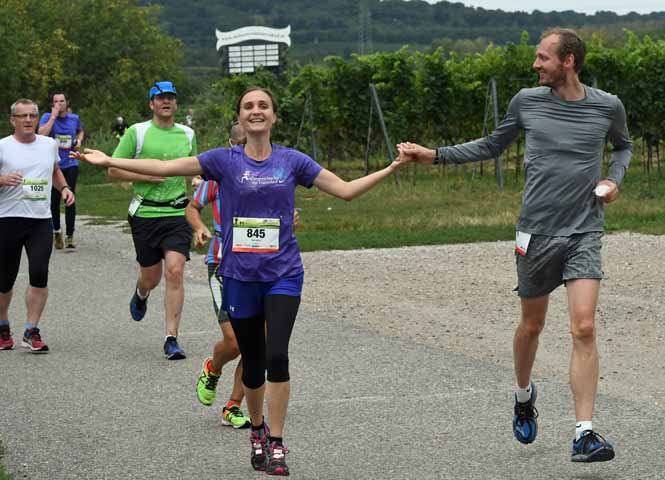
(71, 174)
(36, 235)
(259, 355)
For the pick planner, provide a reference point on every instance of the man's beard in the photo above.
(556, 78)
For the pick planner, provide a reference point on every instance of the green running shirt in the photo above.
(147, 140)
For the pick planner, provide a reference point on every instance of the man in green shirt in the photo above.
(161, 235)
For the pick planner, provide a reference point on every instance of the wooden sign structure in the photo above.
(246, 48)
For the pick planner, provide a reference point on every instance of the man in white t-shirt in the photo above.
(28, 171)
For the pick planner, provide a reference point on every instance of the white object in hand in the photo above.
(601, 190)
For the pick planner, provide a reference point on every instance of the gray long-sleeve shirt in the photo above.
(565, 141)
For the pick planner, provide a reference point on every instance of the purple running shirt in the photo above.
(255, 194)
(64, 132)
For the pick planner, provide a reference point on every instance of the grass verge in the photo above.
(427, 208)
(3, 473)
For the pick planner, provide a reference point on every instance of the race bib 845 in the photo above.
(255, 235)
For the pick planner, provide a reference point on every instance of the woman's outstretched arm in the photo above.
(186, 166)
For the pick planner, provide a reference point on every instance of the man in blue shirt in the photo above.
(68, 133)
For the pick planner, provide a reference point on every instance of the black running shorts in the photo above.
(154, 236)
(33, 234)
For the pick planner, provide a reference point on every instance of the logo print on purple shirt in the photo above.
(255, 179)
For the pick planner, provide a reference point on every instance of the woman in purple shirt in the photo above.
(261, 267)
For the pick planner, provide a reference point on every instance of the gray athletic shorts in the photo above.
(215, 284)
(551, 261)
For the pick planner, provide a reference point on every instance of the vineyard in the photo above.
(436, 98)
(106, 53)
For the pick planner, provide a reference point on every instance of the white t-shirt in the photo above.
(35, 161)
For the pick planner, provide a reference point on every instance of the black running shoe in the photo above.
(259, 441)
(277, 460)
(591, 447)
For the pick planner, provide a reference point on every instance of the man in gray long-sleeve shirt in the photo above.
(560, 225)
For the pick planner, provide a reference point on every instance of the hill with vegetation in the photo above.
(319, 29)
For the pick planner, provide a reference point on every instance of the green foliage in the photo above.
(431, 97)
(106, 142)
(433, 209)
(3, 474)
(104, 54)
(642, 86)
(320, 29)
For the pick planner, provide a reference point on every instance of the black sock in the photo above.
(277, 440)
(260, 427)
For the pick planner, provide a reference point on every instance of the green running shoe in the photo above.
(233, 417)
(206, 387)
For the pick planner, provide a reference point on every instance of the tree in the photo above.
(104, 54)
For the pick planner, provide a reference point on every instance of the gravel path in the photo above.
(401, 365)
(461, 296)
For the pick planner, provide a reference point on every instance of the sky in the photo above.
(587, 6)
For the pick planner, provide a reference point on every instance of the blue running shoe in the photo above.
(592, 447)
(525, 426)
(138, 307)
(172, 350)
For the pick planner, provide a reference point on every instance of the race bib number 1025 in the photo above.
(35, 189)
